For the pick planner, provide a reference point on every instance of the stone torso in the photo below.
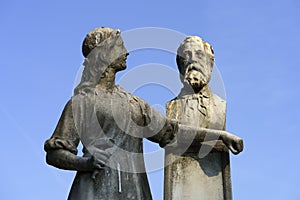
(197, 173)
(205, 110)
(118, 117)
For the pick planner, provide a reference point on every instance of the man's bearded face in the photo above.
(197, 72)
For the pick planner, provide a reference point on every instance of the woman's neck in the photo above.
(107, 81)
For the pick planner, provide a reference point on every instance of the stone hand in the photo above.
(98, 161)
(234, 144)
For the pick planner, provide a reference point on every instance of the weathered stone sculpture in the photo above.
(111, 124)
(198, 168)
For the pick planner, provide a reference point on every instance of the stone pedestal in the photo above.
(190, 177)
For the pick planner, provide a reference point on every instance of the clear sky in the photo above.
(256, 47)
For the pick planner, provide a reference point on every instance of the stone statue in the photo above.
(198, 171)
(111, 124)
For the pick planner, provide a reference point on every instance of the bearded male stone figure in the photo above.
(197, 170)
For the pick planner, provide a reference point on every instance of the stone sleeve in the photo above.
(159, 128)
(65, 135)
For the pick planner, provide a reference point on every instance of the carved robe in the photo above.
(122, 118)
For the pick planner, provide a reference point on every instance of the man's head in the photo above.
(195, 60)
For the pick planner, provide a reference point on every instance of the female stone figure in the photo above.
(111, 124)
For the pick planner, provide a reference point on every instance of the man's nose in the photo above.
(192, 59)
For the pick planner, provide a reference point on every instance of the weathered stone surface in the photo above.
(198, 169)
(110, 123)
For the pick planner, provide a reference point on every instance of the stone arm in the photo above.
(61, 148)
(166, 131)
(64, 159)
(165, 135)
(188, 134)
(154, 126)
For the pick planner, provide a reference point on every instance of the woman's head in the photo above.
(103, 49)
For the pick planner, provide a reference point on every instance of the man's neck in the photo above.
(188, 90)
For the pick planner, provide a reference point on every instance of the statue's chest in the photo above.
(196, 113)
(190, 112)
(117, 110)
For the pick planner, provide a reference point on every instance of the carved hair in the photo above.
(93, 38)
(208, 52)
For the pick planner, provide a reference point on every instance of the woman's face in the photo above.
(120, 63)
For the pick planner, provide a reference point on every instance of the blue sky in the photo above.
(256, 47)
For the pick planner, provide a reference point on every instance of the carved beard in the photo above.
(195, 79)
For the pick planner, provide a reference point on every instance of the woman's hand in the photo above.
(98, 161)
